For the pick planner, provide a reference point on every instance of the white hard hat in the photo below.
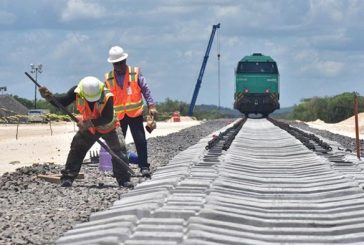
(116, 54)
(90, 88)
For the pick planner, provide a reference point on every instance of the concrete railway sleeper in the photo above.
(311, 141)
(229, 132)
(266, 188)
(338, 159)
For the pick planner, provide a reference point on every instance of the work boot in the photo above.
(66, 182)
(145, 172)
(125, 183)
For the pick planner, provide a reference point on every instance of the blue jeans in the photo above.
(138, 133)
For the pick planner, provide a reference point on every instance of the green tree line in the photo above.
(165, 109)
(200, 112)
(328, 109)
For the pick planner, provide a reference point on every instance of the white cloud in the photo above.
(80, 9)
(329, 68)
(318, 40)
(315, 64)
(338, 37)
(173, 9)
(7, 18)
(304, 55)
(341, 12)
(229, 11)
(186, 54)
(321, 68)
(69, 45)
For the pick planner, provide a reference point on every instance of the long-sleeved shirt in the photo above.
(106, 115)
(147, 94)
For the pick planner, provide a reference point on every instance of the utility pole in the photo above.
(356, 109)
(35, 69)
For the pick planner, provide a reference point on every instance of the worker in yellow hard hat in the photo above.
(129, 87)
(95, 104)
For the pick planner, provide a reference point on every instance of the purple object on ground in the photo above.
(105, 163)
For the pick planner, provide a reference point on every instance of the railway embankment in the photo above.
(34, 211)
(269, 187)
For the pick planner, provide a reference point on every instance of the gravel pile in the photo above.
(10, 106)
(33, 211)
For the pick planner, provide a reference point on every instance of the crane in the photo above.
(202, 70)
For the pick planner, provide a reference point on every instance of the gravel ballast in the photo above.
(34, 211)
(347, 143)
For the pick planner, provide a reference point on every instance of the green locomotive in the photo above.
(256, 85)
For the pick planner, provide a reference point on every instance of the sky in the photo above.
(318, 44)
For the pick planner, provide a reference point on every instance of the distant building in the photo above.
(10, 106)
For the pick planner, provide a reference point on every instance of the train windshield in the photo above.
(257, 67)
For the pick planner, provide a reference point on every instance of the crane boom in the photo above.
(202, 70)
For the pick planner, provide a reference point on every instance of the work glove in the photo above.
(45, 93)
(152, 110)
(84, 125)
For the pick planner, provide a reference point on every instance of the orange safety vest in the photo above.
(87, 114)
(127, 100)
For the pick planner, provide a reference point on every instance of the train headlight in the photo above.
(246, 90)
(267, 91)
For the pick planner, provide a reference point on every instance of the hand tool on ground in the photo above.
(102, 144)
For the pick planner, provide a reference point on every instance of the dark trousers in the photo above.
(82, 142)
(138, 133)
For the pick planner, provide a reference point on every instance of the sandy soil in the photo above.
(345, 127)
(40, 143)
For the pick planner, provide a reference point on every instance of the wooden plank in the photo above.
(50, 178)
(56, 178)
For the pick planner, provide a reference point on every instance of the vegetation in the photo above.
(328, 109)
(42, 104)
(14, 119)
(166, 109)
(27, 103)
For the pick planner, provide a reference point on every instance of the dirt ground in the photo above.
(27, 144)
(34, 143)
(345, 127)
(41, 143)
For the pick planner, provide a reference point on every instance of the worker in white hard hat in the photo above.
(98, 119)
(129, 87)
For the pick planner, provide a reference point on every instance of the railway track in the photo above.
(266, 188)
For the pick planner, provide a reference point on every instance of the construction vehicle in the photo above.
(38, 115)
(202, 70)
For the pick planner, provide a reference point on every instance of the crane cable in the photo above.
(218, 65)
